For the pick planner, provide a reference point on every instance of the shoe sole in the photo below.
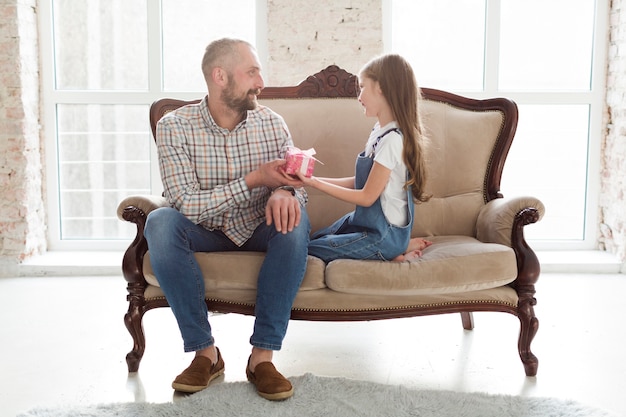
(195, 388)
(278, 396)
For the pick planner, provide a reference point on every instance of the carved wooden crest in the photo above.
(331, 82)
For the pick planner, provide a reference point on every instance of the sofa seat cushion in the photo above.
(451, 264)
(239, 270)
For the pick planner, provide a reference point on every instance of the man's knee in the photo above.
(159, 221)
(303, 230)
(298, 239)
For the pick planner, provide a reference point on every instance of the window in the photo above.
(108, 60)
(549, 57)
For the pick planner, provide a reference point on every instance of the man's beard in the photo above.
(238, 103)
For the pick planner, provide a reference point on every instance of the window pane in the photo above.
(101, 44)
(444, 40)
(546, 45)
(548, 160)
(189, 26)
(104, 156)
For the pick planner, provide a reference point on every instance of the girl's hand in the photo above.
(305, 180)
(292, 180)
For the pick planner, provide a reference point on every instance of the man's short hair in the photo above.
(221, 53)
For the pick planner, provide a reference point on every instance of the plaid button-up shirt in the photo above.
(203, 166)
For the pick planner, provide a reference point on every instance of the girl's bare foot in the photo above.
(408, 256)
(418, 243)
(414, 250)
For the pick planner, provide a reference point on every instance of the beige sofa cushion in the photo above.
(452, 264)
(458, 153)
(239, 270)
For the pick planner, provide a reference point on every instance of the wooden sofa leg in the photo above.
(133, 320)
(529, 324)
(468, 320)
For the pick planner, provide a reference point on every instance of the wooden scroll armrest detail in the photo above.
(528, 270)
(144, 203)
(135, 209)
(496, 220)
(528, 267)
(503, 221)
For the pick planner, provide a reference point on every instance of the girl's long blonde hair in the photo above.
(397, 82)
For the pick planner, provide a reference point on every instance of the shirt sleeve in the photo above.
(389, 150)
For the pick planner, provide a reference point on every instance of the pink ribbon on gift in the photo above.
(299, 164)
(309, 152)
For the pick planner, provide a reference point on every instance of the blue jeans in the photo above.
(172, 241)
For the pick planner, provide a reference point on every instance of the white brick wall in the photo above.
(613, 179)
(22, 213)
(304, 37)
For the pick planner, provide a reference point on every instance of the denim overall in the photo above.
(364, 233)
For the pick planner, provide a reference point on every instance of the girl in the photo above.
(389, 173)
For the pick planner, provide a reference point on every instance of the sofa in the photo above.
(479, 260)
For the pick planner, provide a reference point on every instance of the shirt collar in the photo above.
(210, 121)
(378, 130)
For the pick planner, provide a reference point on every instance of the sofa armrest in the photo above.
(135, 209)
(498, 218)
(144, 203)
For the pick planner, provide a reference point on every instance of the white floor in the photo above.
(63, 341)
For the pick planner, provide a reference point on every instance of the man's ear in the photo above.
(220, 77)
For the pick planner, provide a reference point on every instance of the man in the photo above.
(220, 163)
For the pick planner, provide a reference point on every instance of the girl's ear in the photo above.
(378, 89)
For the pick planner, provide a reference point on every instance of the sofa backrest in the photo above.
(337, 129)
(467, 144)
(460, 153)
(468, 141)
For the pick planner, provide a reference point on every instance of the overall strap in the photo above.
(395, 129)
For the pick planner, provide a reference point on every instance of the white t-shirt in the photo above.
(389, 154)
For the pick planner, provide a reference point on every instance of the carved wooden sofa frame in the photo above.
(331, 83)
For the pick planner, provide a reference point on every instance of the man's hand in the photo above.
(271, 175)
(283, 209)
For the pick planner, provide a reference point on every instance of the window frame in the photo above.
(51, 97)
(594, 98)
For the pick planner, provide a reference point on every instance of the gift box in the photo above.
(300, 161)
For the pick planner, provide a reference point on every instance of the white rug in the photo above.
(322, 396)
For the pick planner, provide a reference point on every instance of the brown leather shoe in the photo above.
(199, 374)
(269, 383)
